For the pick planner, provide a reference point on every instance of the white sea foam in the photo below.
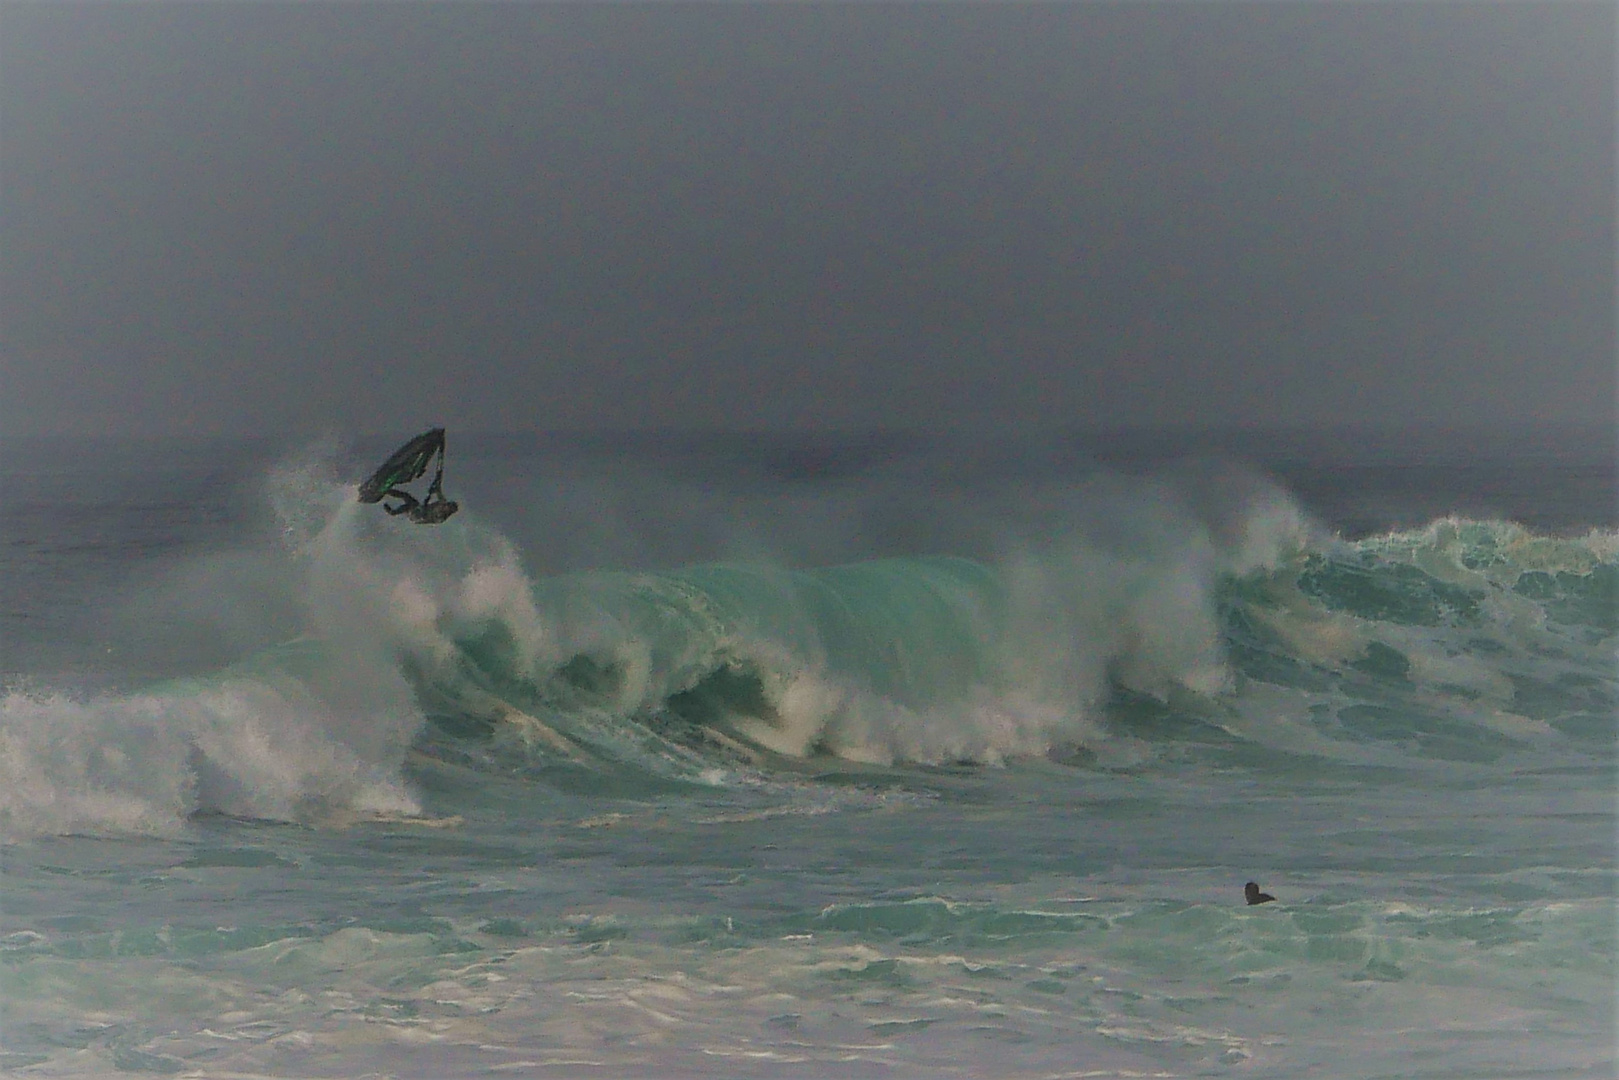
(142, 763)
(277, 738)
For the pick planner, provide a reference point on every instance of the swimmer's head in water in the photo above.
(1251, 891)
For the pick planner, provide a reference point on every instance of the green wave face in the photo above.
(1465, 645)
(1461, 642)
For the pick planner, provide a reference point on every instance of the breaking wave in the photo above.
(1182, 626)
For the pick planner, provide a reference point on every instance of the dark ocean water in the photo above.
(786, 756)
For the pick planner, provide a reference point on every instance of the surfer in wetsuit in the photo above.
(1251, 891)
(433, 510)
(408, 463)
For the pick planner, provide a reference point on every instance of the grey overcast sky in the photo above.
(252, 217)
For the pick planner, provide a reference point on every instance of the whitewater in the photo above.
(760, 756)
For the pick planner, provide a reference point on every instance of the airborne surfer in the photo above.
(410, 463)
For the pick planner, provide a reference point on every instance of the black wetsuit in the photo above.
(431, 512)
(434, 510)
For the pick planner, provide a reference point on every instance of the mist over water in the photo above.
(796, 749)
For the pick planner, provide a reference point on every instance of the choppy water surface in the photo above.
(865, 759)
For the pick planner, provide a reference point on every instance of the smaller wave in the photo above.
(144, 763)
(314, 730)
(1462, 641)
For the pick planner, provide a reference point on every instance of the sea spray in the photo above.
(308, 731)
(1203, 593)
(144, 763)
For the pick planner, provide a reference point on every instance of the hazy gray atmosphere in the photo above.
(220, 218)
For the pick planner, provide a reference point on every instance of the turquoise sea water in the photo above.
(846, 758)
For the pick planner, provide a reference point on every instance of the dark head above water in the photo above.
(1251, 891)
